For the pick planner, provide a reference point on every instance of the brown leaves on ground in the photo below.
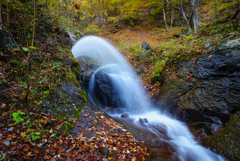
(107, 142)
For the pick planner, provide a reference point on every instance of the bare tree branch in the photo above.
(172, 5)
(10, 34)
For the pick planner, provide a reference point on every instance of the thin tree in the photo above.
(184, 16)
(7, 17)
(194, 20)
(0, 16)
(172, 17)
(34, 19)
(215, 10)
(164, 16)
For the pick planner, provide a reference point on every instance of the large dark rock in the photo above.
(85, 77)
(6, 43)
(205, 90)
(103, 92)
(108, 90)
(125, 115)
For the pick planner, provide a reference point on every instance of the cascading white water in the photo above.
(72, 36)
(124, 81)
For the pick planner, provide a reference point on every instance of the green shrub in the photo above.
(92, 30)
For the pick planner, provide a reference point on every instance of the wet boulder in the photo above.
(102, 91)
(105, 92)
(109, 89)
(125, 115)
(142, 121)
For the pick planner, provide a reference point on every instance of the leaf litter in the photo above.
(100, 138)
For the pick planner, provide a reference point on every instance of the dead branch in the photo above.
(10, 34)
(172, 5)
(235, 14)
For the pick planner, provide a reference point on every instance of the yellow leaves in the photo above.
(23, 134)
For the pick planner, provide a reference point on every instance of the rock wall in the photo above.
(206, 92)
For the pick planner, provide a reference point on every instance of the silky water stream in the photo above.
(132, 98)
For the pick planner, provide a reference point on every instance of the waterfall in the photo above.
(114, 69)
(72, 36)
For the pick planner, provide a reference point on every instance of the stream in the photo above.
(114, 84)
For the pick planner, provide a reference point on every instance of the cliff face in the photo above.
(206, 92)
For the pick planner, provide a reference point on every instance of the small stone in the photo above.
(207, 45)
(146, 46)
(7, 143)
(10, 129)
(144, 120)
(40, 145)
(125, 115)
(104, 150)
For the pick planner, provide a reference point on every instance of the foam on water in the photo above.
(124, 80)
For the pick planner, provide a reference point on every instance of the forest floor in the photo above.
(96, 136)
(168, 49)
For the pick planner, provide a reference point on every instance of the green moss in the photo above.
(83, 93)
(72, 75)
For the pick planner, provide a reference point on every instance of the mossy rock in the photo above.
(226, 142)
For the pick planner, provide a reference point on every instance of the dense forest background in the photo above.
(127, 23)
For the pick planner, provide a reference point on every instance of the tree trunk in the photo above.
(215, 11)
(184, 16)
(0, 16)
(164, 16)
(7, 17)
(194, 20)
(34, 13)
(60, 6)
(78, 18)
(66, 8)
(172, 17)
(46, 5)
